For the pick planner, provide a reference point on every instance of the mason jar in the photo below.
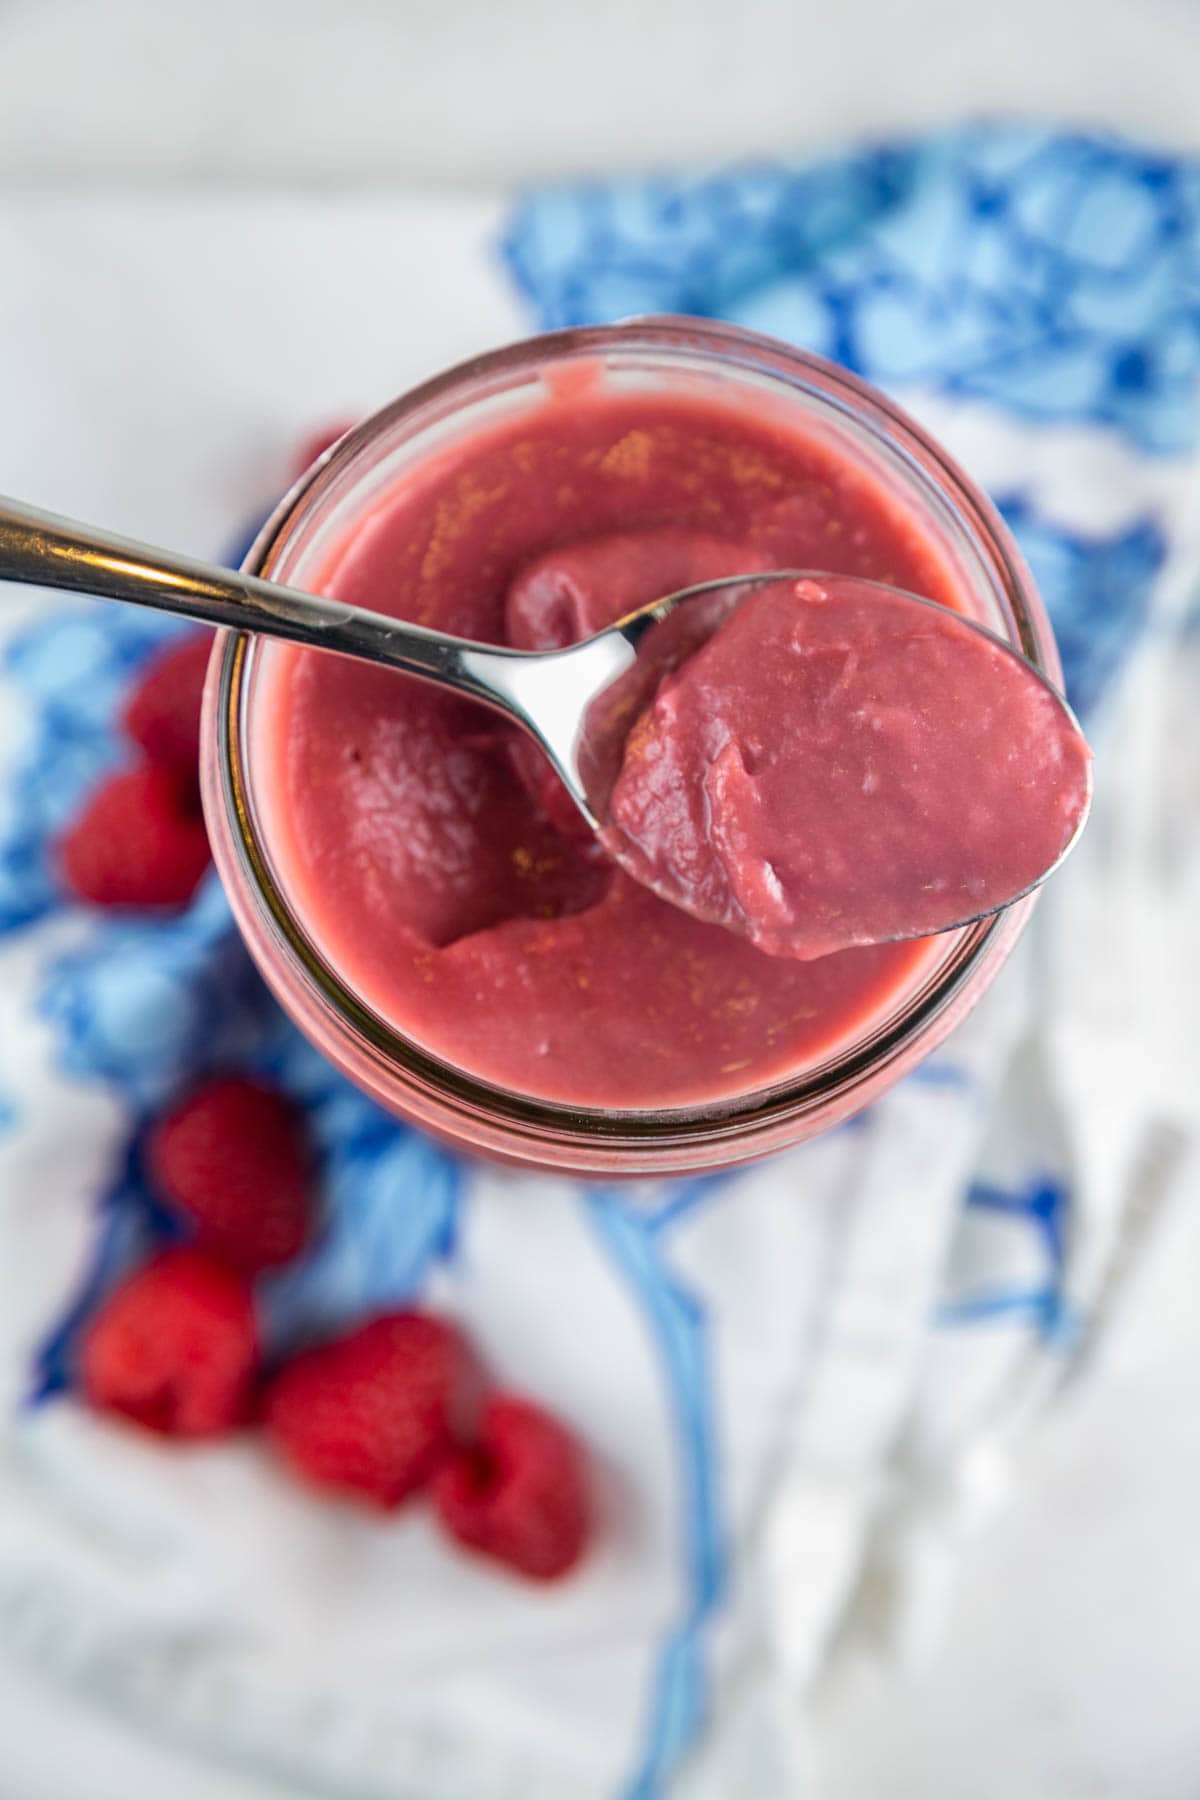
(661, 356)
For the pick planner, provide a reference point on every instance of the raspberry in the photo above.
(371, 1413)
(138, 841)
(162, 714)
(314, 445)
(174, 1347)
(233, 1158)
(519, 1494)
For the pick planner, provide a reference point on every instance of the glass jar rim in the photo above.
(525, 1128)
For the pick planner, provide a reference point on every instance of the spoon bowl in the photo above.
(820, 762)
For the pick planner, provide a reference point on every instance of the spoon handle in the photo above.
(47, 551)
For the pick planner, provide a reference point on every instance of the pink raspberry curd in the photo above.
(841, 764)
(437, 864)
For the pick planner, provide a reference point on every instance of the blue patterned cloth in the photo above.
(1052, 279)
(1056, 276)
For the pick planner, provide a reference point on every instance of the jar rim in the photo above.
(525, 1128)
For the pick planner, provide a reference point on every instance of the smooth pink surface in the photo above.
(839, 766)
(427, 852)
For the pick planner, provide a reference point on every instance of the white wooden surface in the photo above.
(481, 90)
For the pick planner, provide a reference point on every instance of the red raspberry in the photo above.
(371, 1413)
(174, 1347)
(520, 1494)
(162, 714)
(233, 1158)
(138, 841)
(314, 445)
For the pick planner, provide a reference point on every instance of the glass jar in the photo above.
(474, 1115)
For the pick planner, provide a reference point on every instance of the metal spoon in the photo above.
(572, 702)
